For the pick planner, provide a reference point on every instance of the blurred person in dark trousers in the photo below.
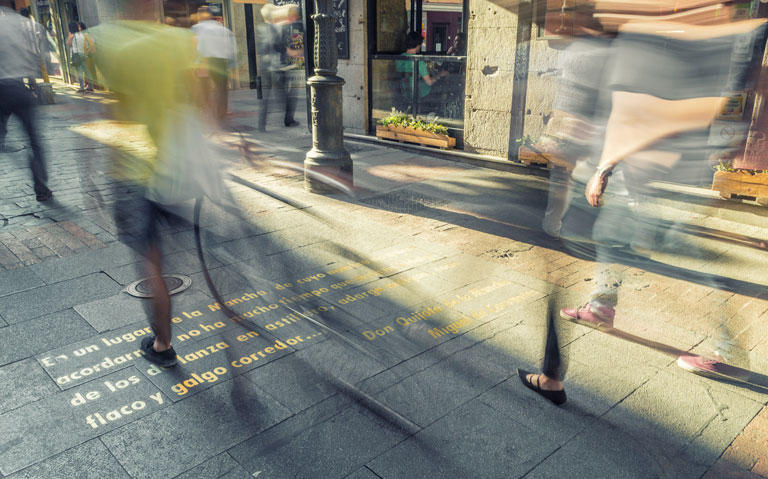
(216, 48)
(81, 47)
(664, 81)
(19, 59)
(279, 52)
(89, 64)
(150, 68)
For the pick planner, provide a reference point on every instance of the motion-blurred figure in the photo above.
(216, 48)
(19, 59)
(81, 47)
(89, 63)
(665, 80)
(280, 40)
(36, 36)
(151, 69)
(573, 128)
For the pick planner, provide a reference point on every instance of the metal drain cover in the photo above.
(176, 283)
(405, 201)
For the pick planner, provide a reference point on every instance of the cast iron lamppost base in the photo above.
(327, 158)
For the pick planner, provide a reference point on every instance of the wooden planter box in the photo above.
(413, 135)
(530, 156)
(732, 184)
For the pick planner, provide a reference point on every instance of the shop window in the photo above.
(429, 81)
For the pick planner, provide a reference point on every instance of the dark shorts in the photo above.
(139, 221)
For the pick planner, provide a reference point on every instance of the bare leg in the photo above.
(161, 300)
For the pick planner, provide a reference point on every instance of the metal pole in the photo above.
(250, 41)
(327, 158)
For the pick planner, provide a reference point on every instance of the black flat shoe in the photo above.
(166, 359)
(557, 397)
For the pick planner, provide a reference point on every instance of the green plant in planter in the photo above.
(405, 120)
(727, 165)
(527, 140)
(724, 166)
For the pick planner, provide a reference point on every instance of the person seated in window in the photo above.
(426, 79)
(459, 45)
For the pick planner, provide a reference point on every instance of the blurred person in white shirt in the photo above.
(217, 51)
(20, 59)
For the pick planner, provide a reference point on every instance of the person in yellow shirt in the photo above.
(150, 68)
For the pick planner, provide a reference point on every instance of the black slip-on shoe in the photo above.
(166, 359)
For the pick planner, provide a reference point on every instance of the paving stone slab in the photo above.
(52, 425)
(364, 311)
(363, 473)
(180, 262)
(529, 281)
(275, 314)
(531, 411)
(113, 312)
(489, 298)
(98, 356)
(23, 382)
(428, 394)
(475, 441)
(402, 290)
(17, 280)
(407, 332)
(194, 430)
(85, 263)
(26, 339)
(40, 301)
(205, 364)
(624, 357)
(676, 411)
(312, 450)
(317, 372)
(213, 468)
(226, 279)
(90, 460)
(273, 267)
(621, 455)
(237, 473)
(252, 247)
(462, 269)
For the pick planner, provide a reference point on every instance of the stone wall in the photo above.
(240, 76)
(542, 79)
(491, 56)
(354, 71)
(491, 52)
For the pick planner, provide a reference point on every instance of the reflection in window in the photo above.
(415, 68)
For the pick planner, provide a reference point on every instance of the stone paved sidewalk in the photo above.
(383, 344)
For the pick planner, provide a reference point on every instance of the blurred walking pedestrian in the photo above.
(665, 81)
(281, 47)
(151, 69)
(19, 59)
(217, 50)
(81, 46)
(89, 63)
(37, 39)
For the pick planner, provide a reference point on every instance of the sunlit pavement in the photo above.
(381, 343)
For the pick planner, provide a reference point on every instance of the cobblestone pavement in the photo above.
(382, 343)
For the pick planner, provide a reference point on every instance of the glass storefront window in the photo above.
(395, 86)
(438, 86)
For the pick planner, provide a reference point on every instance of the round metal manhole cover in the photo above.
(176, 283)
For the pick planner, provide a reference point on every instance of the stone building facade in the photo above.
(506, 76)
